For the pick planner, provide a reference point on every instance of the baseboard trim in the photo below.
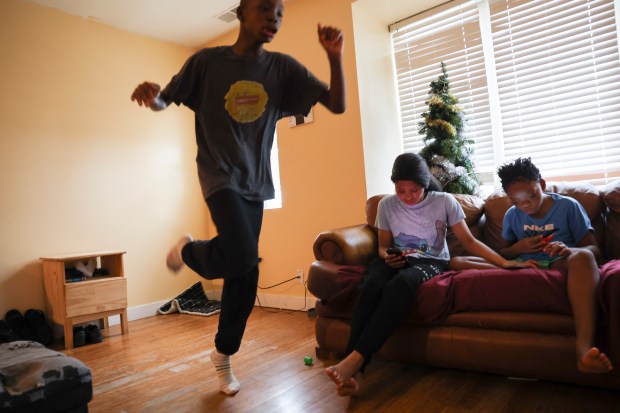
(136, 313)
(285, 302)
(281, 302)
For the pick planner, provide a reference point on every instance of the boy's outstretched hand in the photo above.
(145, 93)
(331, 39)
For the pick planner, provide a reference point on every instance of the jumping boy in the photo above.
(554, 231)
(238, 93)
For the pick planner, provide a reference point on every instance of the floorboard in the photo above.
(163, 365)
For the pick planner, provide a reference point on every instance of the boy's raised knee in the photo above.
(581, 257)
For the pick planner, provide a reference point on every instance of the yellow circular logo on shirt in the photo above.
(246, 101)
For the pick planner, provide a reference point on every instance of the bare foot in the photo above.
(342, 372)
(333, 374)
(350, 388)
(594, 362)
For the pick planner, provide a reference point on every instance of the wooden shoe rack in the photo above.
(94, 298)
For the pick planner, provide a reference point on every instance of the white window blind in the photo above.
(449, 34)
(558, 81)
(558, 78)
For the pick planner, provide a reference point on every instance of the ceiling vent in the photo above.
(229, 16)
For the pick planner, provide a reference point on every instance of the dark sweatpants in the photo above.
(233, 256)
(385, 297)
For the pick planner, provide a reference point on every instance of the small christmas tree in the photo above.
(446, 151)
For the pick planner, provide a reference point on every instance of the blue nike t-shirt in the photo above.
(566, 220)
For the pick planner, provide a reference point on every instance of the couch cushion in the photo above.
(611, 198)
(586, 194)
(371, 209)
(473, 206)
(495, 208)
(609, 310)
(532, 322)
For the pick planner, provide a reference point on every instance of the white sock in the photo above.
(228, 382)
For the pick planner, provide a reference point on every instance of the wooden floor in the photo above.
(162, 365)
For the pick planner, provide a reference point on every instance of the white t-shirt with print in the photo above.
(420, 228)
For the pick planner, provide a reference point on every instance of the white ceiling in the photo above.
(188, 22)
(194, 22)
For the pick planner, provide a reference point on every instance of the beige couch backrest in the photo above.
(611, 198)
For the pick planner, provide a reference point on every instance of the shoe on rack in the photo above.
(174, 259)
(79, 336)
(38, 325)
(93, 334)
(16, 322)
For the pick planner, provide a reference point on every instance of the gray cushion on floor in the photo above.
(31, 373)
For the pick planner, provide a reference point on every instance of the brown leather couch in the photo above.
(521, 327)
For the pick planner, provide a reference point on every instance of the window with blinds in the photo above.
(558, 75)
(556, 68)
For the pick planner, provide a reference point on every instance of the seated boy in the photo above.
(554, 231)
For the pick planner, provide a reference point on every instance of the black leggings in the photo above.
(233, 256)
(385, 298)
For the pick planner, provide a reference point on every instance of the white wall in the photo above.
(378, 99)
(379, 107)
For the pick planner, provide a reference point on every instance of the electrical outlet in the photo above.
(300, 276)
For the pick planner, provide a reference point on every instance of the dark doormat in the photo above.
(191, 301)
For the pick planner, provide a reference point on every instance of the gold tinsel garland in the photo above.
(440, 124)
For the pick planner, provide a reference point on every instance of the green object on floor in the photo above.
(308, 361)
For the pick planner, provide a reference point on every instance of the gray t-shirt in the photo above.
(237, 101)
(420, 228)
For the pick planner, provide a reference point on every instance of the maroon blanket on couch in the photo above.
(609, 311)
(530, 290)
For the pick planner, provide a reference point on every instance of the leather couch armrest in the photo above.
(611, 198)
(335, 286)
(355, 245)
(322, 277)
